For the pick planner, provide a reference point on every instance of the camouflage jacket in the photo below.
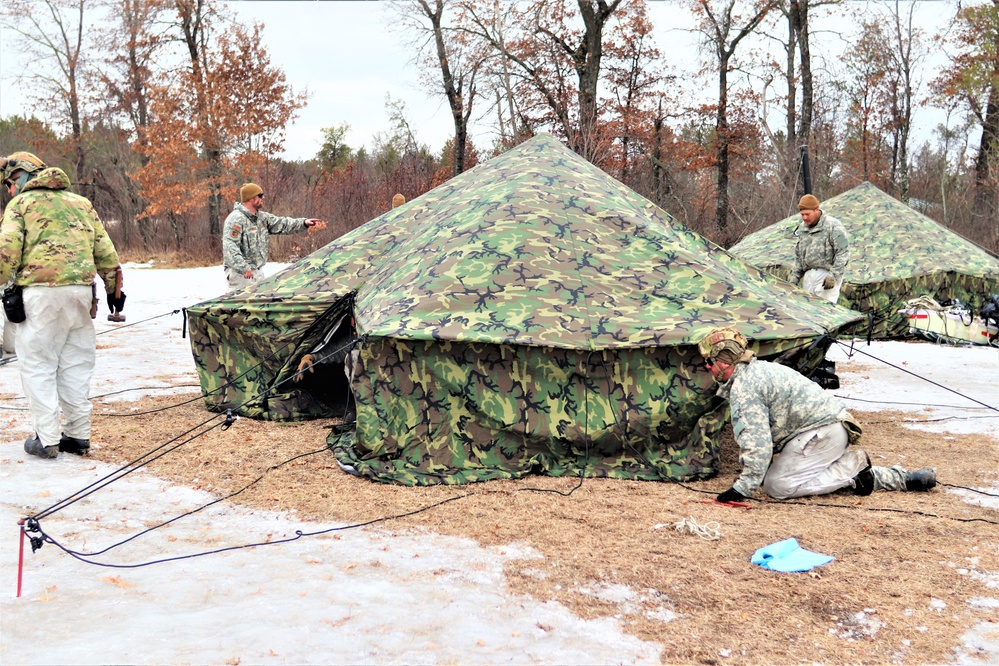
(824, 245)
(50, 236)
(244, 236)
(770, 404)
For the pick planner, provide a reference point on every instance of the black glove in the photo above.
(731, 495)
(116, 304)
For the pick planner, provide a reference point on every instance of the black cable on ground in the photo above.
(145, 388)
(881, 509)
(104, 395)
(298, 535)
(108, 330)
(974, 490)
(126, 469)
(138, 463)
(917, 404)
(136, 323)
(200, 508)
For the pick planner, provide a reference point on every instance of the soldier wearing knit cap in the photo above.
(246, 232)
(776, 410)
(822, 251)
(398, 200)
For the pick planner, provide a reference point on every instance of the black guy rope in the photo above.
(198, 509)
(925, 379)
(298, 535)
(134, 465)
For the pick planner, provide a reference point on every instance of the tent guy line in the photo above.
(916, 375)
(31, 525)
(133, 465)
(111, 330)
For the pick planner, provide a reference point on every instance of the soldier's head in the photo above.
(723, 348)
(17, 169)
(252, 196)
(398, 200)
(808, 206)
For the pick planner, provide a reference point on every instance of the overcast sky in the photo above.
(348, 55)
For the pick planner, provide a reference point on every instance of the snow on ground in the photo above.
(355, 596)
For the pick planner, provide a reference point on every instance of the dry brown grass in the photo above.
(602, 534)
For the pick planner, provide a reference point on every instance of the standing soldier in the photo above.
(52, 243)
(245, 235)
(821, 253)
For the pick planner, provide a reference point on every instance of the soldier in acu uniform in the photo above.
(246, 232)
(821, 253)
(776, 410)
(53, 244)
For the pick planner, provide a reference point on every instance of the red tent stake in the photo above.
(20, 561)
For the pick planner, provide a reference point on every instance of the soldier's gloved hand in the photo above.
(731, 495)
(307, 362)
(116, 304)
(828, 283)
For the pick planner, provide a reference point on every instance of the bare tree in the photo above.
(53, 35)
(724, 26)
(130, 44)
(445, 50)
(972, 80)
(559, 63)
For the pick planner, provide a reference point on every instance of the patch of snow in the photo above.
(353, 596)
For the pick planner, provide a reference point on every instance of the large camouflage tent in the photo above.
(896, 254)
(532, 315)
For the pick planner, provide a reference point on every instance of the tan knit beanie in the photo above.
(398, 200)
(808, 201)
(249, 191)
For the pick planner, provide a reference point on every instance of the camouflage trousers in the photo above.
(889, 478)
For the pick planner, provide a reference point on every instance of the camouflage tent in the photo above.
(532, 315)
(896, 254)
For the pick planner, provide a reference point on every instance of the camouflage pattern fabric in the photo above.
(533, 253)
(52, 237)
(430, 413)
(245, 236)
(823, 245)
(897, 254)
(770, 404)
(889, 478)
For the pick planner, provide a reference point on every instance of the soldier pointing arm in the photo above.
(246, 232)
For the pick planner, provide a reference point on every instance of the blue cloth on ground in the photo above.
(789, 557)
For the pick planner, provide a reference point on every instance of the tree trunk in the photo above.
(985, 211)
(722, 154)
(807, 94)
(452, 88)
(791, 150)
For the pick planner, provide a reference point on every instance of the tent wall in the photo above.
(449, 412)
(247, 356)
(883, 299)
